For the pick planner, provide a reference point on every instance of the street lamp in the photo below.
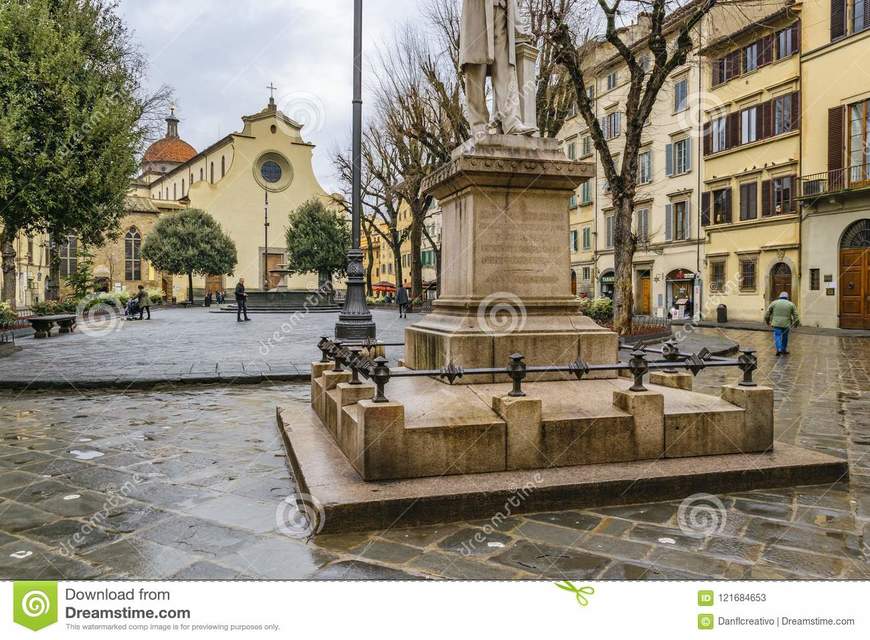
(355, 320)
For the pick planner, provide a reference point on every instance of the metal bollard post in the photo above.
(517, 371)
(323, 345)
(671, 353)
(748, 363)
(354, 362)
(338, 356)
(638, 367)
(380, 376)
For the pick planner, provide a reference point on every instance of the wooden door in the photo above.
(645, 293)
(273, 261)
(213, 284)
(855, 288)
(780, 280)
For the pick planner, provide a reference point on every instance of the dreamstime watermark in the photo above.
(711, 303)
(306, 109)
(98, 318)
(312, 301)
(300, 515)
(100, 519)
(701, 515)
(502, 312)
(511, 505)
(700, 106)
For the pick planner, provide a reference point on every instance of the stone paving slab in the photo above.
(193, 444)
(192, 347)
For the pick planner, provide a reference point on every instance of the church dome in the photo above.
(170, 148)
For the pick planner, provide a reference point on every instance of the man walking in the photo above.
(241, 301)
(782, 315)
(402, 300)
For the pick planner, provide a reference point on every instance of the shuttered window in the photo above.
(749, 201)
(838, 19)
(722, 206)
(835, 147)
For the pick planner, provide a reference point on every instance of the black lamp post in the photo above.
(355, 320)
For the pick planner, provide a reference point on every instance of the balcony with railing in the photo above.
(836, 182)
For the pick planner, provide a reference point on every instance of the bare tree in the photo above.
(380, 191)
(644, 87)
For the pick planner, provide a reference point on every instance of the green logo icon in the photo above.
(580, 593)
(705, 621)
(34, 604)
(705, 598)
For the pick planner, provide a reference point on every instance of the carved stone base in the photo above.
(506, 274)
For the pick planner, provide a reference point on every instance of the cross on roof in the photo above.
(271, 87)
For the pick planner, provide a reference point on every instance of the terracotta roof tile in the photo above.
(169, 150)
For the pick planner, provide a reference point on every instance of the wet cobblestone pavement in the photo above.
(187, 484)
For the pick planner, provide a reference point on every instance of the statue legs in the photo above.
(504, 86)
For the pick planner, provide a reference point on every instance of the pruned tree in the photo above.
(74, 117)
(190, 242)
(317, 241)
(381, 200)
(669, 38)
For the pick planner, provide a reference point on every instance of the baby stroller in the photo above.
(132, 309)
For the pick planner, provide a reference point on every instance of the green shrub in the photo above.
(54, 307)
(7, 315)
(599, 309)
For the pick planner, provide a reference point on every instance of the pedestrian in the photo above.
(144, 302)
(782, 315)
(402, 300)
(241, 301)
(208, 299)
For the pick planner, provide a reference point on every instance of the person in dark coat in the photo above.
(402, 300)
(144, 301)
(241, 301)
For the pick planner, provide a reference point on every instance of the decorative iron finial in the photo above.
(353, 362)
(639, 368)
(380, 376)
(451, 373)
(748, 363)
(338, 356)
(517, 371)
(323, 345)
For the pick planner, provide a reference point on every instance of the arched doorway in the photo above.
(573, 282)
(855, 276)
(608, 284)
(780, 280)
(680, 290)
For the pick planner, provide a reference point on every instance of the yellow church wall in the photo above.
(237, 200)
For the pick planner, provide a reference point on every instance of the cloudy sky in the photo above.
(219, 56)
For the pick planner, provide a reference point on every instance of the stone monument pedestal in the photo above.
(506, 279)
(422, 451)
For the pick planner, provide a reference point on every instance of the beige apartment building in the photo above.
(835, 163)
(668, 262)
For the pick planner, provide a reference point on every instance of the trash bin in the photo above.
(722, 314)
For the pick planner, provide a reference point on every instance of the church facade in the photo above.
(262, 170)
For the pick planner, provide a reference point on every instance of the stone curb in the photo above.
(152, 383)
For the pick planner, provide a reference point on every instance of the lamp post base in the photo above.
(355, 320)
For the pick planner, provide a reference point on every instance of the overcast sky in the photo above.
(219, 56)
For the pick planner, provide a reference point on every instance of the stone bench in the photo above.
(43, 325)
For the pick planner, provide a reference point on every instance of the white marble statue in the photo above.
(487, 46)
